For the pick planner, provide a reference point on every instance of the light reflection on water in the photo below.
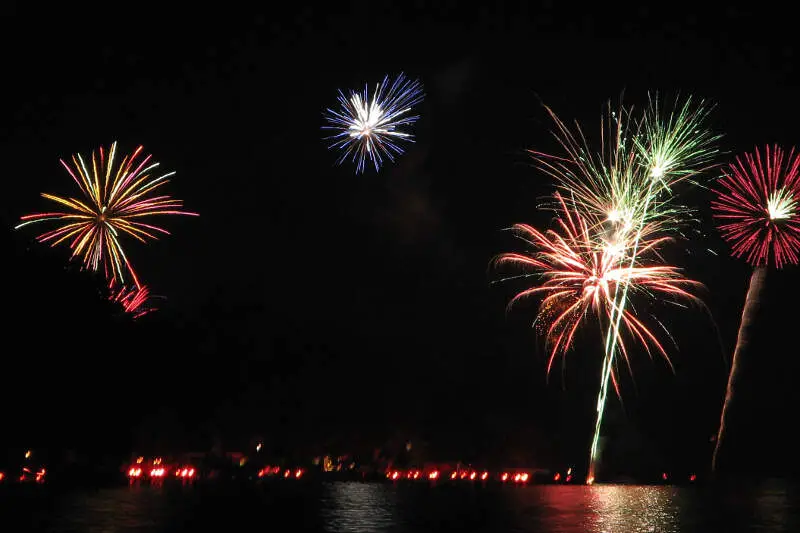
(382, 508)
(639, 509)
(358, 507)
(611, 509)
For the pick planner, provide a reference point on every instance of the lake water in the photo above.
(382, 507)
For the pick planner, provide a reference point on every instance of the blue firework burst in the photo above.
(370, 129)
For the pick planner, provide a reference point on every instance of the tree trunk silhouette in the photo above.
(751, 305)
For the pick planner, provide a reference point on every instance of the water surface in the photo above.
(381, 507)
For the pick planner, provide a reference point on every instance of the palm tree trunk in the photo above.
(751, 305)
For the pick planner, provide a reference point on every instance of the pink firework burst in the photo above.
(757, 207)
(134, 300)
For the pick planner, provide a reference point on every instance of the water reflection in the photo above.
(358, 507)
(413, 508)
(663, 509)
(632, 509)
(119, 511)
(772, 507)
(605, 509)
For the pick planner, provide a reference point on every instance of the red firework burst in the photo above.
(757, 207)
(134, 300)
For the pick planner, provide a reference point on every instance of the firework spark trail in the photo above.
(628, 183)
(370, 129)
(611, 341)
(757, 212)
(113, 204)
(751, 305)
(668, 152)
(610, 350)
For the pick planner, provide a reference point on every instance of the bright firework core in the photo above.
(614, 249)
(601, 285)
(367, 118)
(781, 205)
(617, 216)
(657, 171)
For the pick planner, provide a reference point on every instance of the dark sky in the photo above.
(313, 305)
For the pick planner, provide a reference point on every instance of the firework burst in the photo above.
(757, 207)
(370, 129)
(114, 200)
(626, 189)
(577, 282)
(134, 300)
(629, 180)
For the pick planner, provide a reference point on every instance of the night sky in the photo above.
(321, 308)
